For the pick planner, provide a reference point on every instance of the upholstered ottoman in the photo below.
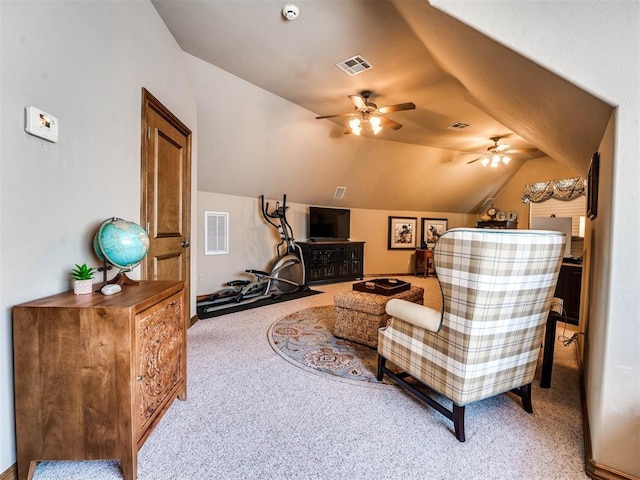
(360, 314)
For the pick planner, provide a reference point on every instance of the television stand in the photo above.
(328, 240)
(332, 260)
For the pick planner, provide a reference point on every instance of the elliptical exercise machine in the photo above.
(286, 275)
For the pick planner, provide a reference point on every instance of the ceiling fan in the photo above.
(368, 115)
(499, 153)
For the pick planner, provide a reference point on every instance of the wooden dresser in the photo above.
(94, 374)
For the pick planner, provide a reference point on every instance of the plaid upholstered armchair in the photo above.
(497, 287)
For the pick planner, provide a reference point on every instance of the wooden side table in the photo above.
(94, 374)
(422, 261)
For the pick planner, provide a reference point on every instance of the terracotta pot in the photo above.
(82, 287)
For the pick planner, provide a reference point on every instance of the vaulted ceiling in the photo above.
(451, 72)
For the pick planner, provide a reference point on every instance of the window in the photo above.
(561, 208)
(216, 233)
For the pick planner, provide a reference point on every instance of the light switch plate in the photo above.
(40, 124)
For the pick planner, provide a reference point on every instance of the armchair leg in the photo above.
(458, 422)
(524, 392)
(381, 363)
(526, 398)
(456, 414)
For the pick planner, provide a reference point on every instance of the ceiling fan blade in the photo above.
(397, 108)
(501, 147)
(522, 150)
(358, 101)
(334, 116)
(387, 122)
(474, 160)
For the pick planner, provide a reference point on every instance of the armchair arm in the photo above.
(417, 315)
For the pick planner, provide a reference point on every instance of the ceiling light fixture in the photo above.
(494, 159)
(365, 121)
(494, 156)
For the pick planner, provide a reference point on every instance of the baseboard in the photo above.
(602, 472)
(595, 470)
(10, 473)
(192, 322)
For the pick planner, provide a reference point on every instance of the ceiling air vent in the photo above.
(340, 191)
(458, 126)
(354, 65)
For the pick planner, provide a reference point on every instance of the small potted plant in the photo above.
(82, 275)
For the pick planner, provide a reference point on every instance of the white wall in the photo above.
(595, 44)
(84, 62)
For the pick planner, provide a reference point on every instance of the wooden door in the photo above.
(166, 193)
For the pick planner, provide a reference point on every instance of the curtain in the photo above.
(565, 189)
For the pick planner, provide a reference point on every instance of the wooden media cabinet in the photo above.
(333, 261)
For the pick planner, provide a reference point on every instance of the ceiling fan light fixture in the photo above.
(356, 126)
(368, 116)
(376, 124)
(496, 154)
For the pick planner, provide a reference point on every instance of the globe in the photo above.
(121, 243)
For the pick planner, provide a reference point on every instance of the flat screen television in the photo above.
(329, 223)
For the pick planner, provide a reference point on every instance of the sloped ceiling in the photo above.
(561, 119)
(253, 141)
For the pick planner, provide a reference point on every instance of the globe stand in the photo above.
(105, 266)
(122, 279)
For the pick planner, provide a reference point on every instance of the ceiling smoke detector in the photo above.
(290, 11)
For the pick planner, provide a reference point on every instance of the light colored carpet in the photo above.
(252, 415)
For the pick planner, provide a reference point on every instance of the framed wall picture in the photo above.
(402, 233)
(592, 186)
(432, 229)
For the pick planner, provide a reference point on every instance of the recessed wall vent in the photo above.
(354, 65)
(216, 233)
(340, 191)
(458, 126)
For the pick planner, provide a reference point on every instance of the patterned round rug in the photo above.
(305, 339)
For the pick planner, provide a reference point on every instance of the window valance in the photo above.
(565, 189)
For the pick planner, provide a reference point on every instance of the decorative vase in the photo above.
(82, 287)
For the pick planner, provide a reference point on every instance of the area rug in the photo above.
(306, 340)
